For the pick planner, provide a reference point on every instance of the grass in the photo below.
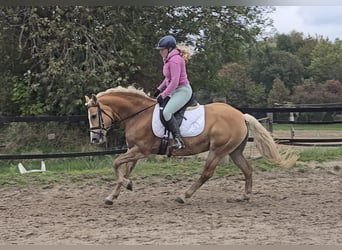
(321, 154)
(98, 170)
(310, 127)
(58, 171)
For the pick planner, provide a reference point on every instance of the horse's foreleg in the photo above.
(125, 181)
(130, 157)
(207, 173)
(115, 194)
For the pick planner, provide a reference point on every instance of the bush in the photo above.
(44, 137)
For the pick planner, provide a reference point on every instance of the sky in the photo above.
(324, 21)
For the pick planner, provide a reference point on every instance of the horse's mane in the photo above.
(120, 89)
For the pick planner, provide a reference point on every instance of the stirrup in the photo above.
(179, 144)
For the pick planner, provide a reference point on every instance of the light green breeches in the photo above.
(177, 100)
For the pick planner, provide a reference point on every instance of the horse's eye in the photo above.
(93, 117)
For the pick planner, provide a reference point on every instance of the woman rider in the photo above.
(175, 90)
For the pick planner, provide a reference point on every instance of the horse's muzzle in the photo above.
(95, 141)
(97, 137)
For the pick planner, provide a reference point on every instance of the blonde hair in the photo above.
(184, 52)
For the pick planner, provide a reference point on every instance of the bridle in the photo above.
(102, 127)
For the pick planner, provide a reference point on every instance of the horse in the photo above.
(225, 133)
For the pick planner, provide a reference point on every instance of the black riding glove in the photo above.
(156, 93)
(162, 101)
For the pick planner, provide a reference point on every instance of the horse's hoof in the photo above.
(244, 198)
(180, 200)
(130, 186)
(108, 202)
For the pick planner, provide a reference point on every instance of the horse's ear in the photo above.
(86, 100)
(94, 98)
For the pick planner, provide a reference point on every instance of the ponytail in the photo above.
(184, 52)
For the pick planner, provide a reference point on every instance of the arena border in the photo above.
(84, 118)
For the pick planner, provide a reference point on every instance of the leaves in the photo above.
(58, 54)
(279, 93)
(326, 61)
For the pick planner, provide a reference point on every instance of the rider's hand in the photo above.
(156, 93)
(160, 100)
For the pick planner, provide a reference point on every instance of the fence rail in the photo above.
(83, 118)
(79, 118)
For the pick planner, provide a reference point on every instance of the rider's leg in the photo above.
(177, 100)
(174, 128)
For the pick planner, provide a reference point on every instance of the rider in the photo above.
(175, 90)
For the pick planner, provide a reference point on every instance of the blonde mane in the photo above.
(120, 89)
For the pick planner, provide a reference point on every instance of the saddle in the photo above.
(179, 115)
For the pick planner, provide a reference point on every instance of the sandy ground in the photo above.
(297, 206)
(287, 207)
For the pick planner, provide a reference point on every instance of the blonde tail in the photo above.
(268, 147)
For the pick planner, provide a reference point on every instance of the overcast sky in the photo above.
(310, 20)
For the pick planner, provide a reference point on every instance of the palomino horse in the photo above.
(225, 133)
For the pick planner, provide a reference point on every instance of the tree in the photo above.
(298, 45)
(279, 93)
(239, 89)
(66, 52)
(326, 61)
(224, 34)
(58, 54)
(270, 63)
(290, 42)
(313, 93)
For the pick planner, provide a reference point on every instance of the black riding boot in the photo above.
(174, 128)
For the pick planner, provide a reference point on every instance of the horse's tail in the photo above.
(268, 147)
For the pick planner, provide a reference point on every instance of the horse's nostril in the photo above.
(94, 140)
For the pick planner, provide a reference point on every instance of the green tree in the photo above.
(224, 35)
(290, 42)
(268, 63)
(298, 45)
(67, 52)
(278, 94)
(239, 89)
(58, 54)
(326, 61)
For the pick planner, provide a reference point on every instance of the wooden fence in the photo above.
(267, 119)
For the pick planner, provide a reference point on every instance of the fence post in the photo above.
(292, 120)
(270, 121)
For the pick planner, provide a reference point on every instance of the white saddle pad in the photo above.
(192, 125)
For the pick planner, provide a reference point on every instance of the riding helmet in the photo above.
(166, 42)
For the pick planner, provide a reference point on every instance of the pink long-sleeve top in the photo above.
(174, 71)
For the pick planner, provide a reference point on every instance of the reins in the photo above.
(131, 116)
(101, 123)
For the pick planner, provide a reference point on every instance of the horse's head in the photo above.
(100, 119)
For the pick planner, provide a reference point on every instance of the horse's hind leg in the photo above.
(239, 159)
(207, 173)
(115, 194)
